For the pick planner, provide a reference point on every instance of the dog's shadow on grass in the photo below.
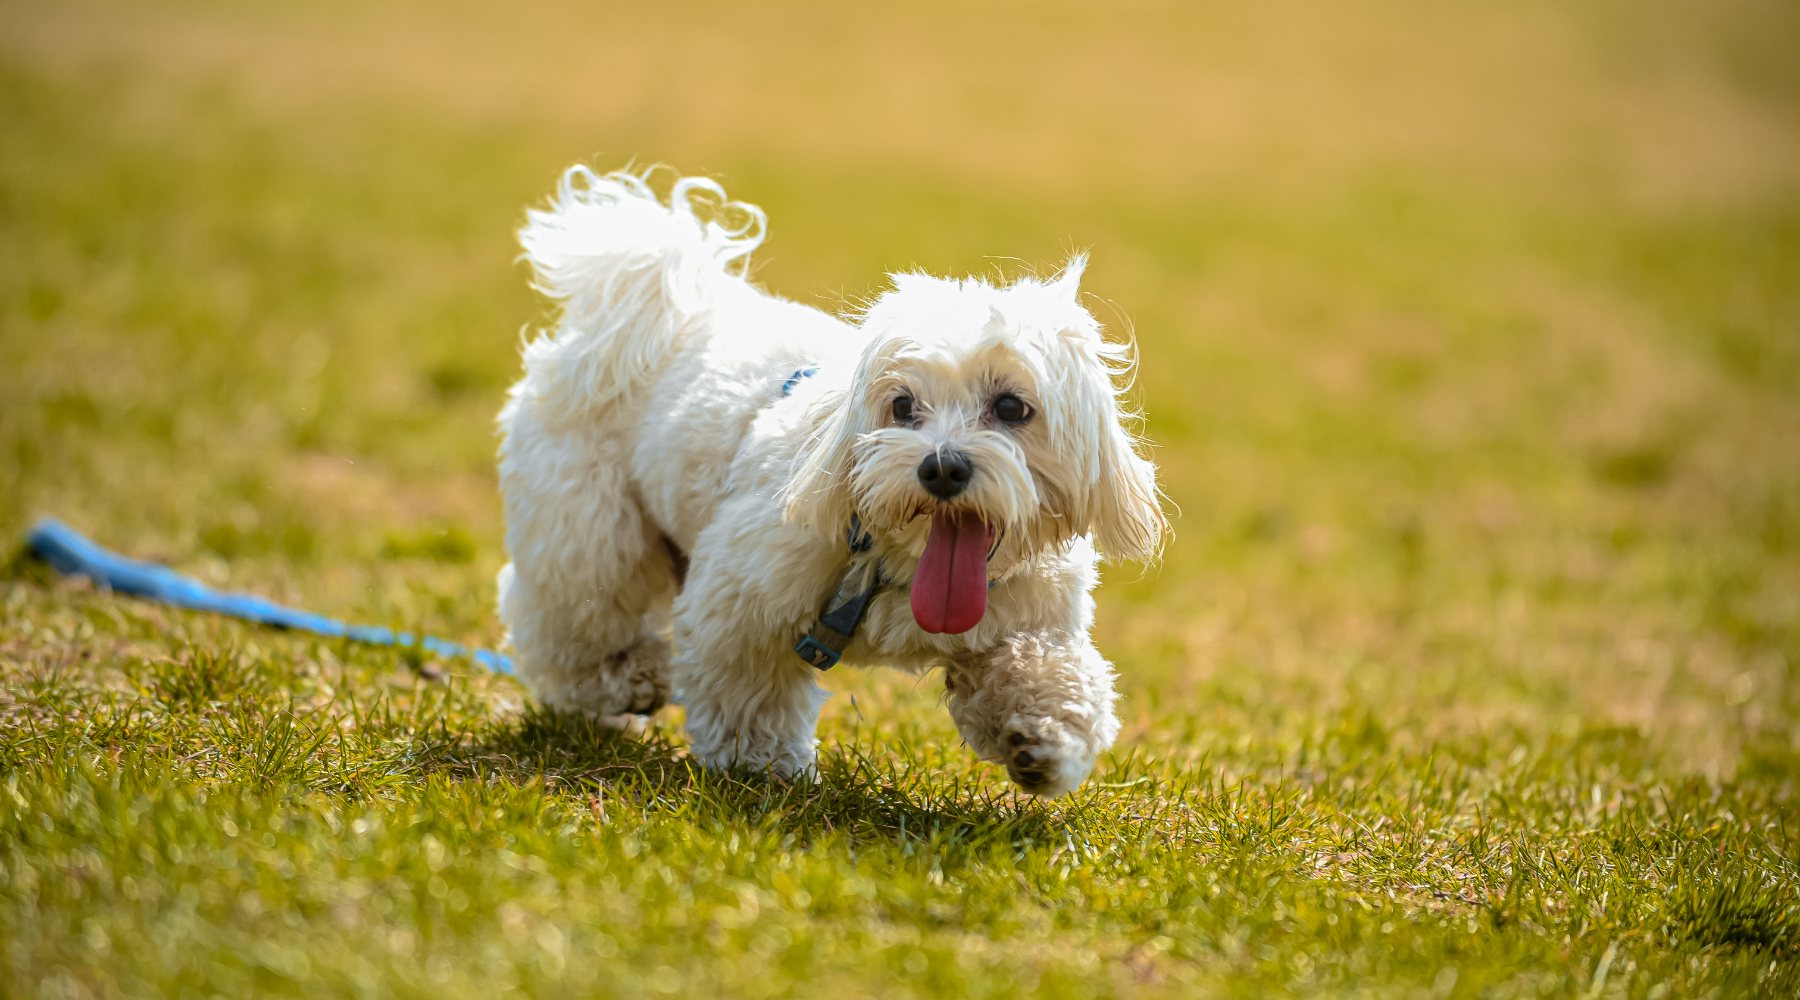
(853, 794)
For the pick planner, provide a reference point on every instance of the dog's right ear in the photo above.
(818, 494)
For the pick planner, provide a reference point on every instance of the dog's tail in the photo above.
(632, 273)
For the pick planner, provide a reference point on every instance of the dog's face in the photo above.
(982, 426)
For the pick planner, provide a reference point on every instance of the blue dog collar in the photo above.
(787, 388)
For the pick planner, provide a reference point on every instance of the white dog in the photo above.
(925, 486)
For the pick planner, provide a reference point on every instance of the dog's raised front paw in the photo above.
(1043, 756)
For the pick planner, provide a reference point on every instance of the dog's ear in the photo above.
(1122, 512)
(1127, 520)
(818, 495)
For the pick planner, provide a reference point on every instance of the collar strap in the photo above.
(823, 645)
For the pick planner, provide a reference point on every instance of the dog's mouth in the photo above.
(950, 585)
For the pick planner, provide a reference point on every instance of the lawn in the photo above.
(1470, 345)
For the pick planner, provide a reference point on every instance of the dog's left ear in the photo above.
(1128, 522)
(1124, 514)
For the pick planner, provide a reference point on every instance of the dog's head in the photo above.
(982, 425)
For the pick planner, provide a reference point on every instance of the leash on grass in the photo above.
(73, 554)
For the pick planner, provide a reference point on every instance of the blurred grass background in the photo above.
(1470, 334)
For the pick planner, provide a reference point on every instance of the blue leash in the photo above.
(74, 555)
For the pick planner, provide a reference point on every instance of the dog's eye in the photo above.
(903, 410)
(1011, 409)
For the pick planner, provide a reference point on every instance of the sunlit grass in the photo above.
(1470, 348)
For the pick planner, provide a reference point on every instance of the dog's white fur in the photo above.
(652, 422)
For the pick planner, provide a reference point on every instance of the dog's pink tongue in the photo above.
(950, 587)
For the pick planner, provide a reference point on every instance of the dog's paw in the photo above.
(628, 724)
(632, 681)
(1043, 756)
(730, 753)
(640, 674)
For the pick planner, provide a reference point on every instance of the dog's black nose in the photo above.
(945, 474)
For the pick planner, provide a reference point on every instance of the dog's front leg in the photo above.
(751, 703)
(757, 714)
(1040, 703)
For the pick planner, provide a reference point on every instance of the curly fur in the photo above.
(650, 438)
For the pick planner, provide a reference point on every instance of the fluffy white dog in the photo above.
(923, 486)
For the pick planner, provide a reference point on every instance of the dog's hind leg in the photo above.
(636, 277)
(1041, 704)
(589, 586)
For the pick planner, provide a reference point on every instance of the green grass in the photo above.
(1471, 345)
